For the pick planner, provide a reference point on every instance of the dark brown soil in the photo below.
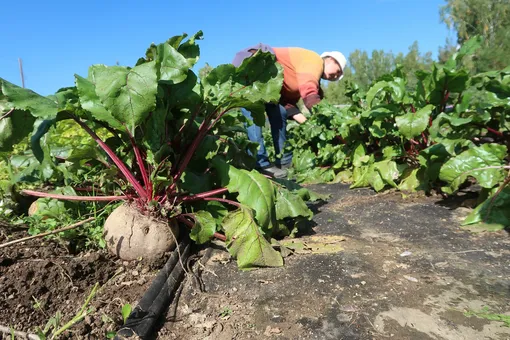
(395, 268)
(40, 278)
(404, 270)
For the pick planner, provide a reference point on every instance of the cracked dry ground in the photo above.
(368, 290)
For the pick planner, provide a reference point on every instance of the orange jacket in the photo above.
(302, 72)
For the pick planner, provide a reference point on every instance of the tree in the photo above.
(412, 62)
(446, 51)
(366, 70)
(489, 19)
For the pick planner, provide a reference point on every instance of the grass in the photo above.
(486, 314)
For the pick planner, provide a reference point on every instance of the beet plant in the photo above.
(452, 130)
(176, 150)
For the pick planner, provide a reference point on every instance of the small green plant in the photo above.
(126, 311)
(55, 321)
(38, 304)
(226, 313)
(108, 320)
(486, 314)
(111, 334)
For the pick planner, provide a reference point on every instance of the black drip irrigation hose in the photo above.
(158, 297)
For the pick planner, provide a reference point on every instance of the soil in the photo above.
(404, 270)
(374, 266)
(40, 279)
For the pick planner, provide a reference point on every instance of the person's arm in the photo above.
(308, 74)
(299, 117)
(309, 90)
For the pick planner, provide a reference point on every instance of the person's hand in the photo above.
(300, 118)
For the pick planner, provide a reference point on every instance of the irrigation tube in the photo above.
(158, 297)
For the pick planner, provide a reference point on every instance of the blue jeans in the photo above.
(277, 116)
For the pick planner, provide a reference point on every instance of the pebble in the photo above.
(134, 272)
(410, 278)
(89, 320)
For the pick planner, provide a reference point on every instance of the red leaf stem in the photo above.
(72, 198)
(190, 225)
(141, 165)
(122, 167)
(203, 195)
(222, 200)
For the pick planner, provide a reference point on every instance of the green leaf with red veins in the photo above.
(254, 190)
(129, 94)
(246, 242)
(412, 124)
(90, 101)
(205, 227)
(25, 99)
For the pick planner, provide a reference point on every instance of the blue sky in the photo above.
(57, 39)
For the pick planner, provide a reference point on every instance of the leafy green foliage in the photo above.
(365, 68)
(254, 190)
(166, 141)
(412, 124)
(488, 19)
(127, 94)
(494, 210)
(247, 243)
(450, 129)
(476, 162)
(205, 227)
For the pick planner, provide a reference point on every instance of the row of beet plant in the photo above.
(173, 150)
(452, 130)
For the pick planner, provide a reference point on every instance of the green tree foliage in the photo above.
(489, 19)
(366, 70)
(414, 61)
(446, 51)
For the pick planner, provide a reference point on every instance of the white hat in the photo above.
(339, 57)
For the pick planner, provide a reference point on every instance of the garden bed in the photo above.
(404, 270)
(384, 267)
(40, 278)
